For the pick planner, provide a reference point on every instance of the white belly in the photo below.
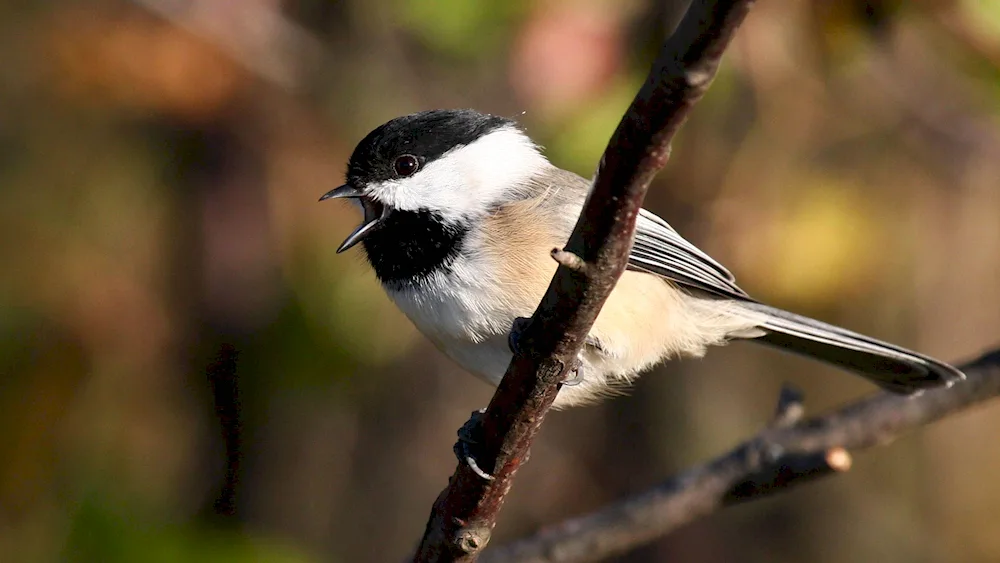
(487, 360)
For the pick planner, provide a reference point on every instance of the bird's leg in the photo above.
(469, 437)
(574, 377)
(470, 434)
(516, 330)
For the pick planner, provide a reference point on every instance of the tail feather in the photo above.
(891, 367)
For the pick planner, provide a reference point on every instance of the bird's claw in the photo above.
(574, 376)
(468, 438)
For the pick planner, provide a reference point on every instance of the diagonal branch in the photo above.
(464, 514)
(774, 460)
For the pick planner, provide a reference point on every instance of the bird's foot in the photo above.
(516, 331)
(469, 440)
(574, 376)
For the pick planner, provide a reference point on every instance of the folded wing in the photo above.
(660, 250)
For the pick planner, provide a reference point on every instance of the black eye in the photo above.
(406, 165)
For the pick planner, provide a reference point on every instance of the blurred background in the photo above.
(188, 372)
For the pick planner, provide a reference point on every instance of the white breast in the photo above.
(463, 312)
(453, 304)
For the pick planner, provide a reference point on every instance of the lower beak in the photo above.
(375, 214)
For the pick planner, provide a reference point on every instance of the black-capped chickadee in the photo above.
(462, 211)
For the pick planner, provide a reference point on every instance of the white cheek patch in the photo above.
(466, 181)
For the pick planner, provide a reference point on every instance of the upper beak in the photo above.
(375, 214)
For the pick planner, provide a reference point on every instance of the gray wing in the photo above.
(657, 249)
(660, 250)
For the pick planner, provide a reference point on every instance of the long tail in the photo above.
(891, 367)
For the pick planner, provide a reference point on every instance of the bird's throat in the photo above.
(412, 245)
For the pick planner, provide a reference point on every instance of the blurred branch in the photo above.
(464, 514)
(223, 378)
(788, 453)
(970, 31)
(253, 32)
(955, 126)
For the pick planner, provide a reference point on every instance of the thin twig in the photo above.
(464, 514)
(790, 409)
(570, 260)
(774, 460)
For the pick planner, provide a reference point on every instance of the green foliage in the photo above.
(102, 531)
(460, 28)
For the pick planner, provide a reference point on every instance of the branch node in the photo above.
(790, 409)
(770, 452)
(472, 539)
(570, 260)
(839, 459)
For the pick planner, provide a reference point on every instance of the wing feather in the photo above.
(659, 249)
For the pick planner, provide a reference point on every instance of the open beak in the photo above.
(375, 214)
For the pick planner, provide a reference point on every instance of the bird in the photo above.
(461, 213)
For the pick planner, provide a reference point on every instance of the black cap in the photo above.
(426, 135)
